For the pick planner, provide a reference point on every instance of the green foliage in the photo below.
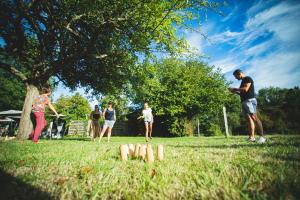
(280, 109)
(75, 107)
(234, 115)
(215, 130)
(193, 168)
(12, 92)
(120, 104)
(180, 90)
(91, 43)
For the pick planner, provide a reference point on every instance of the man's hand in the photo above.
(233, 90)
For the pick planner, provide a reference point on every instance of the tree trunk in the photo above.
(25, 127)
(189, 128)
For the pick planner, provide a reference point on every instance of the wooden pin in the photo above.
(124, 152)
(131, 149)
(150, 156)
(142, 152)
(137, 150)
(160, 152)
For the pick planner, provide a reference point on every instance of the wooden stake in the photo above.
(225, 122)
(137, 150)
(131, 149)
(150, 156)
(142, 152)
(124, 151)
(160, 152)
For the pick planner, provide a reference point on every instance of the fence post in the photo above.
(225, 121)
(198, 127)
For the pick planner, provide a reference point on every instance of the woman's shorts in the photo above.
(148, 122)
(109, 123)
(249, 106)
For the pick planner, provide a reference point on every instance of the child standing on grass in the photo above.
(38, 107)
(148, 120)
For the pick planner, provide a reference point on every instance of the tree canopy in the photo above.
(75, 107)
(87, 43)
(179, 91)
(12, 92)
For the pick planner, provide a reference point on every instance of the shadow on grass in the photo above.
(254, 145)
(14, 188)
(78, 139)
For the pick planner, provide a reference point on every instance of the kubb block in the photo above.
(149, 154)
(124, 152)
(143, 152)
(160, 152)
(131, 149)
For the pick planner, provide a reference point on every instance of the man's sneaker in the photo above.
(251, 139)
(261, 140)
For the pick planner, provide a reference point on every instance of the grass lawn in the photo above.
(193, 168)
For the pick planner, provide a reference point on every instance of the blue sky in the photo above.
(260, 37)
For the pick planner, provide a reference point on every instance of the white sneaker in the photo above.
(252, 139)
(261, 140)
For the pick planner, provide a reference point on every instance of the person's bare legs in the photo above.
(102, 132)
(93, 132)
(109, 133)
(251, 126)
(258, 123)
(146, 131)
(150, 130)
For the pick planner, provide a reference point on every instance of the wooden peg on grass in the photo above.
(131, 149)
(137, 150)
(160, 152)
(142, 152)
(149, 154)
(124, 151)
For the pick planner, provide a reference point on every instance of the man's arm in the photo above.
(244, 88)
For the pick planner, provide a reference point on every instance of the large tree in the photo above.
(179, 91)
(91, 43)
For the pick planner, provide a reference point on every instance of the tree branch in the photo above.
(13, 71)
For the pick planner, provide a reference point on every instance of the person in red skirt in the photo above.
(38, 108)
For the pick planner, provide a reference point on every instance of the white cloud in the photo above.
(281, 19)
(259, 49)
(277, 69)
(195, 41)
(274, 60)
(226, 36)
(228, 64)
(271, 13)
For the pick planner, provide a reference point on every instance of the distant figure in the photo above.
(95, 126)
(247, 94)
(148, 120)
(109, 115)
(38, 108)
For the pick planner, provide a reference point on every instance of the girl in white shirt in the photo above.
(148, 119)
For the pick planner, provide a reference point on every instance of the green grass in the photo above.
(193, 168)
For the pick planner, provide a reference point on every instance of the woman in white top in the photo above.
(148, 119)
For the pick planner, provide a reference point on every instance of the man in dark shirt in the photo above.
(249, 103)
